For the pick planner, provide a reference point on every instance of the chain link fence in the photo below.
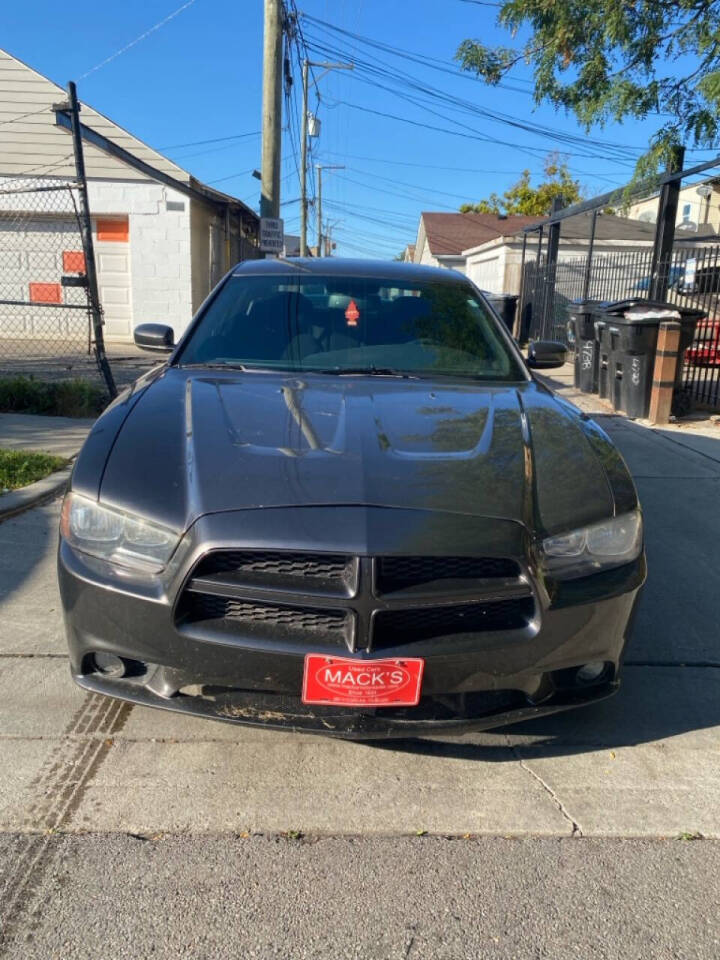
(45, 315)
(72, 286)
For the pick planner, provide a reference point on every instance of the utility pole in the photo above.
(329, 227)
(326, 67)
(303, 163)
(271, 109)
(319, 211)
(320, 167)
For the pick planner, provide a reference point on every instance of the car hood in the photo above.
(196, 443)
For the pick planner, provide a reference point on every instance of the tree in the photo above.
(522, 197)
(613, 60)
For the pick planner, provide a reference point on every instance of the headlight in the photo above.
(579, 553)
(115, 535)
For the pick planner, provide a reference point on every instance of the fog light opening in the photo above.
(109, 665)
(591, 672)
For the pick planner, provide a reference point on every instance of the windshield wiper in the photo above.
(370, 371)
(209, 365)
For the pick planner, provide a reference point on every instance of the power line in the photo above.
(142, 36)
(200, 143)
(380, 69)
(23, 116)
(422, 59)
(431, 166)
(231, 176)
(381, 221)
(414, 186)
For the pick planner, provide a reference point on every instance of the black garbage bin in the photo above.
(582, 336)
(604, 342)
(505, 305)
(627, 333)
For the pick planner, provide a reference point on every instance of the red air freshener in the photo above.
(352, 314)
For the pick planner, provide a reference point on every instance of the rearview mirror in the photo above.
(546, 354)
(154, 336)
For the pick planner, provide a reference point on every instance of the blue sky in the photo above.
(198, 77)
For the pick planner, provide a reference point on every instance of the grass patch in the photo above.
(66, 398)
(18, 468)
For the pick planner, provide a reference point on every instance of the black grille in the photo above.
(276, 621)
(395, 627)
(403, 573)
(276, 569)
(274, 563)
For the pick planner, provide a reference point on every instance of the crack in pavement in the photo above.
(576, 830)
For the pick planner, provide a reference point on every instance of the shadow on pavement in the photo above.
(28, 543)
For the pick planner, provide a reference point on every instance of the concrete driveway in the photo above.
(643, 765)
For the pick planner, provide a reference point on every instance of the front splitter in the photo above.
(343, 723)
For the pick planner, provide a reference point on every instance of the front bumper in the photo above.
(471, 681)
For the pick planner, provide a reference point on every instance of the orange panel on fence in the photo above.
(73, 261)
(113, 231)
(45, 293)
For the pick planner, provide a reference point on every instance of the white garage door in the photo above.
(112, 255)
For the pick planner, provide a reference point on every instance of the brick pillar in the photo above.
(666, 361)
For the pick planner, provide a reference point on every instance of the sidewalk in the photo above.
(694, 431)
(645, 763)
(60, 436)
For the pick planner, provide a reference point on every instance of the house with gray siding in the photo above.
(159, 250)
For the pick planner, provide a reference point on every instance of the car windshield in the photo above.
(345, 325)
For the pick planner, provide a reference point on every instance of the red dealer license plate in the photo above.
(339, 681)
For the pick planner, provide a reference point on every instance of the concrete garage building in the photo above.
(496, 264)
(159, 250)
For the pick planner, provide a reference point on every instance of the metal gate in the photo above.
(50, 311)
(693, 281)
(46, 321)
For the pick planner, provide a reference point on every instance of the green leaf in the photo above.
(610, 60)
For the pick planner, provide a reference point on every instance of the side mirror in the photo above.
(546, 354)
(154, 336)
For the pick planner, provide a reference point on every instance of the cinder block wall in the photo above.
(160, 247)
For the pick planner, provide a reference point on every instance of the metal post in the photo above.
(87, 242)
(319, 211)
(521, 297)
(303, 164)
(271, 109)
(227, 239)
(665, 228)
(320, 167)
(548, 300)
(536, 303)
(588, 264)
(554, 231)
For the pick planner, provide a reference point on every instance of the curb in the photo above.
(17, 501)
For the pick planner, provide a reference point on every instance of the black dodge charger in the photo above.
(344, 505)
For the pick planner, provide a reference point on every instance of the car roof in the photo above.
(342, 267)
